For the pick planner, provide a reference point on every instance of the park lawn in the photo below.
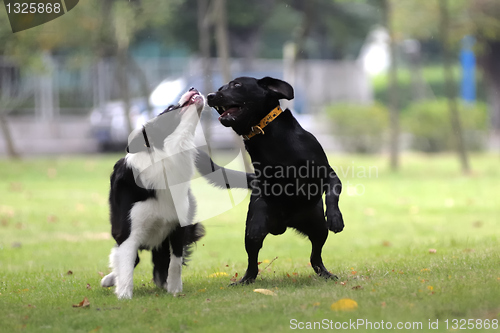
(419, 246)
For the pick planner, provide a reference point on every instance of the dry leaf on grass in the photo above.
(83, 304)
(218, 274)
(265, 292)
(432, 251)
(344, 304)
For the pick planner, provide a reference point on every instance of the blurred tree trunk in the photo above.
(122, 77)
(451, 87)
(204, 24)
(491, 69)
(7, 136)
(308, 16)
(393, 90)
(221, 36)
(143, 83)
(123, 31)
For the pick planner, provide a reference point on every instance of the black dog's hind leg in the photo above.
(161, 261)
(255, 233)
(317, 232)
(332, 189)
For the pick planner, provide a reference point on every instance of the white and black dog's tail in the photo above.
(193, 233)
(231, 178)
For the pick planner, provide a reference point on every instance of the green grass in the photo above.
(54, 219)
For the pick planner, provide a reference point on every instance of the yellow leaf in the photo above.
(83, 304)
(265, 292)
(218, 274)
(344, 304)
(430, 288)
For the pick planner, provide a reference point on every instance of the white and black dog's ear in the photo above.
(282, 89)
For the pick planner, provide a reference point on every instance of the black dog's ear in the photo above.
(137, 143)
(281, 88)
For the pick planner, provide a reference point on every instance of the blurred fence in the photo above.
(42, 103)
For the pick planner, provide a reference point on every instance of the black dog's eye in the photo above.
(237, 84)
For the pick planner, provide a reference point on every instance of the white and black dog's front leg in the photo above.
(123, 267)
(174, 279)
(332, 189)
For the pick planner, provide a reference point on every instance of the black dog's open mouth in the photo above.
(228, 113)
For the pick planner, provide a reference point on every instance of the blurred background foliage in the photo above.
(360, 128)
(330, 30)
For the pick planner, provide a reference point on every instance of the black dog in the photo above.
(291, 169)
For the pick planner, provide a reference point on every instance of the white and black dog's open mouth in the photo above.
(155, 131)
(192, 97)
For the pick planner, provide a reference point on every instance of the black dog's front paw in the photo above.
(334, 221)
(327, 275)
(242, 281)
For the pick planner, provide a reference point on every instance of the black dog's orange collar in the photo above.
(258, 129)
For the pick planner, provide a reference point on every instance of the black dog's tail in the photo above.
(192, 234)
(231, 178)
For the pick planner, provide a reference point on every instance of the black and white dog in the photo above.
(150, 199)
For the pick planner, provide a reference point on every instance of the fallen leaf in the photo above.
(69, 273)
(202, 290)
(83, 304)
(344, 304)
(101, 274)
(386, 243)
(265, 292)
(425, 270)
(357, 287)
(52, 218)
(477, 224)
(16, 187)
(51, 172)
(431, 288)
(431, 251)
(316, 304)
(88, 286)
(218, 274)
